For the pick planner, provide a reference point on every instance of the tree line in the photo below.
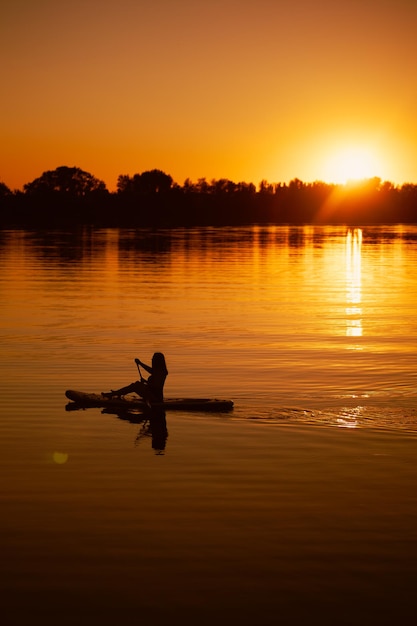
(69, 196)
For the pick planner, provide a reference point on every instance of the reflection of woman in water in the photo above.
(151, 390)
(158, 428)
(153, 424)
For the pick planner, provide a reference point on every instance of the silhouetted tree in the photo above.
(71, 181)
(5, 192)
(223, 186)
(155, 181)
(202, 186)
(6, 204)
(265, 187)
(124, 183)
(296, 185)
(149, 182)
(246, 189)
(66, 195)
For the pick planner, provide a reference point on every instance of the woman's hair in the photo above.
(158, 362)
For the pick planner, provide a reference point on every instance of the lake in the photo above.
(297, 507)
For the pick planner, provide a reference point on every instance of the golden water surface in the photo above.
(298, 507)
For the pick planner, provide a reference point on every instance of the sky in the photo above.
(239, 89)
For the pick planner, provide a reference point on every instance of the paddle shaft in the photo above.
(140, 373)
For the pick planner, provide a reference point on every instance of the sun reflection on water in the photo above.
(353, 283)
(350, 417)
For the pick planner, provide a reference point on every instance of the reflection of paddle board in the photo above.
(170, 404)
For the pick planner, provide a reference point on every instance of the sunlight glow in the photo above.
(352, 163)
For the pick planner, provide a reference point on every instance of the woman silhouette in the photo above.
(152, 389)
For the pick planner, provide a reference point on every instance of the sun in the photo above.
(352, 163)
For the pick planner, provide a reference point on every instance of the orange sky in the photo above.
(241, 89)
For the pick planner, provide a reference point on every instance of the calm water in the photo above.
(301, 324)
(309, 330)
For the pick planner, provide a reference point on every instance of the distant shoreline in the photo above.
(67, 197)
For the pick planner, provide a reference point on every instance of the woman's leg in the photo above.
(138, 387)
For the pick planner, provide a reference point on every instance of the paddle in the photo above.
(140, 373)
(145, 382)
